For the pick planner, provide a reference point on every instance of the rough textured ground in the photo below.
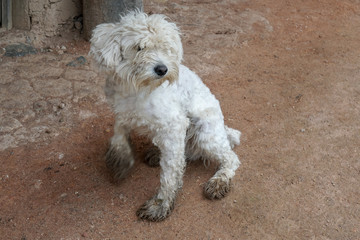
(287, 74)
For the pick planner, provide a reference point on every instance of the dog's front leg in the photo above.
(119, 157)
(172, 162)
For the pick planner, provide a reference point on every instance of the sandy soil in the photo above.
(287, 74)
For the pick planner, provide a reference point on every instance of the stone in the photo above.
(78, 25)
(40, 106)
(18, 94)
(11, 104)
(77, 62)
(6, 77)
(19, 86)
(19, 50)
(53, 87)
(41, 72)
(84, 114)
(26, 115)
(8, 124)
(83, 90)
(7, 141)
(22, 115)
(80, 75)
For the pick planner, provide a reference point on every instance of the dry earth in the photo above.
(287, 74)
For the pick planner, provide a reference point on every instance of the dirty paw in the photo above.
(152, 157)
(119, 162)
(155, 210)
(216, 188)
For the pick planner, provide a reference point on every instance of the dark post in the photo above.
(96, 12)
(6, 19)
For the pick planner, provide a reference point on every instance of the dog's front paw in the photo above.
(152, 157)
(217, 188)
(119, 162)
(155, 209)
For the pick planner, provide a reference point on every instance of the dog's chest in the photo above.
(160, 108)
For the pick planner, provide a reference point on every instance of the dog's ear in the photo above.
(105, 45)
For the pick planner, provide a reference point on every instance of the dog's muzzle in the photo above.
(160, 70)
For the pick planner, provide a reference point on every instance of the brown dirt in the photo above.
(287, 74)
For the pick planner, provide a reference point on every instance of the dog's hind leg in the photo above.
(119, 157)
(219, 185)
(215, 141)
(152, 156)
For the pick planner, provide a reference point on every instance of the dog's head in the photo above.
(140, 50)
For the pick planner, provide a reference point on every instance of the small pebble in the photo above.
(78, 25)
(61, 105)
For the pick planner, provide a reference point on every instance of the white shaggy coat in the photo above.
(152, 93)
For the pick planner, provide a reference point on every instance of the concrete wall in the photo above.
(20, 14)
(51, 17)
(44, 18)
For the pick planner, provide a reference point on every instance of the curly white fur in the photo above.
(151, 92)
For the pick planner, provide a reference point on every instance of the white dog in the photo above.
(152, 93)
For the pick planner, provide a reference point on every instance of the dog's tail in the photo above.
(233, 136)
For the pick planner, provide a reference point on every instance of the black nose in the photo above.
(160, 70)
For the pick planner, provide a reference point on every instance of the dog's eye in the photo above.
(139, 48)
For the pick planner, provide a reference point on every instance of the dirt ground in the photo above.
(287, 74)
